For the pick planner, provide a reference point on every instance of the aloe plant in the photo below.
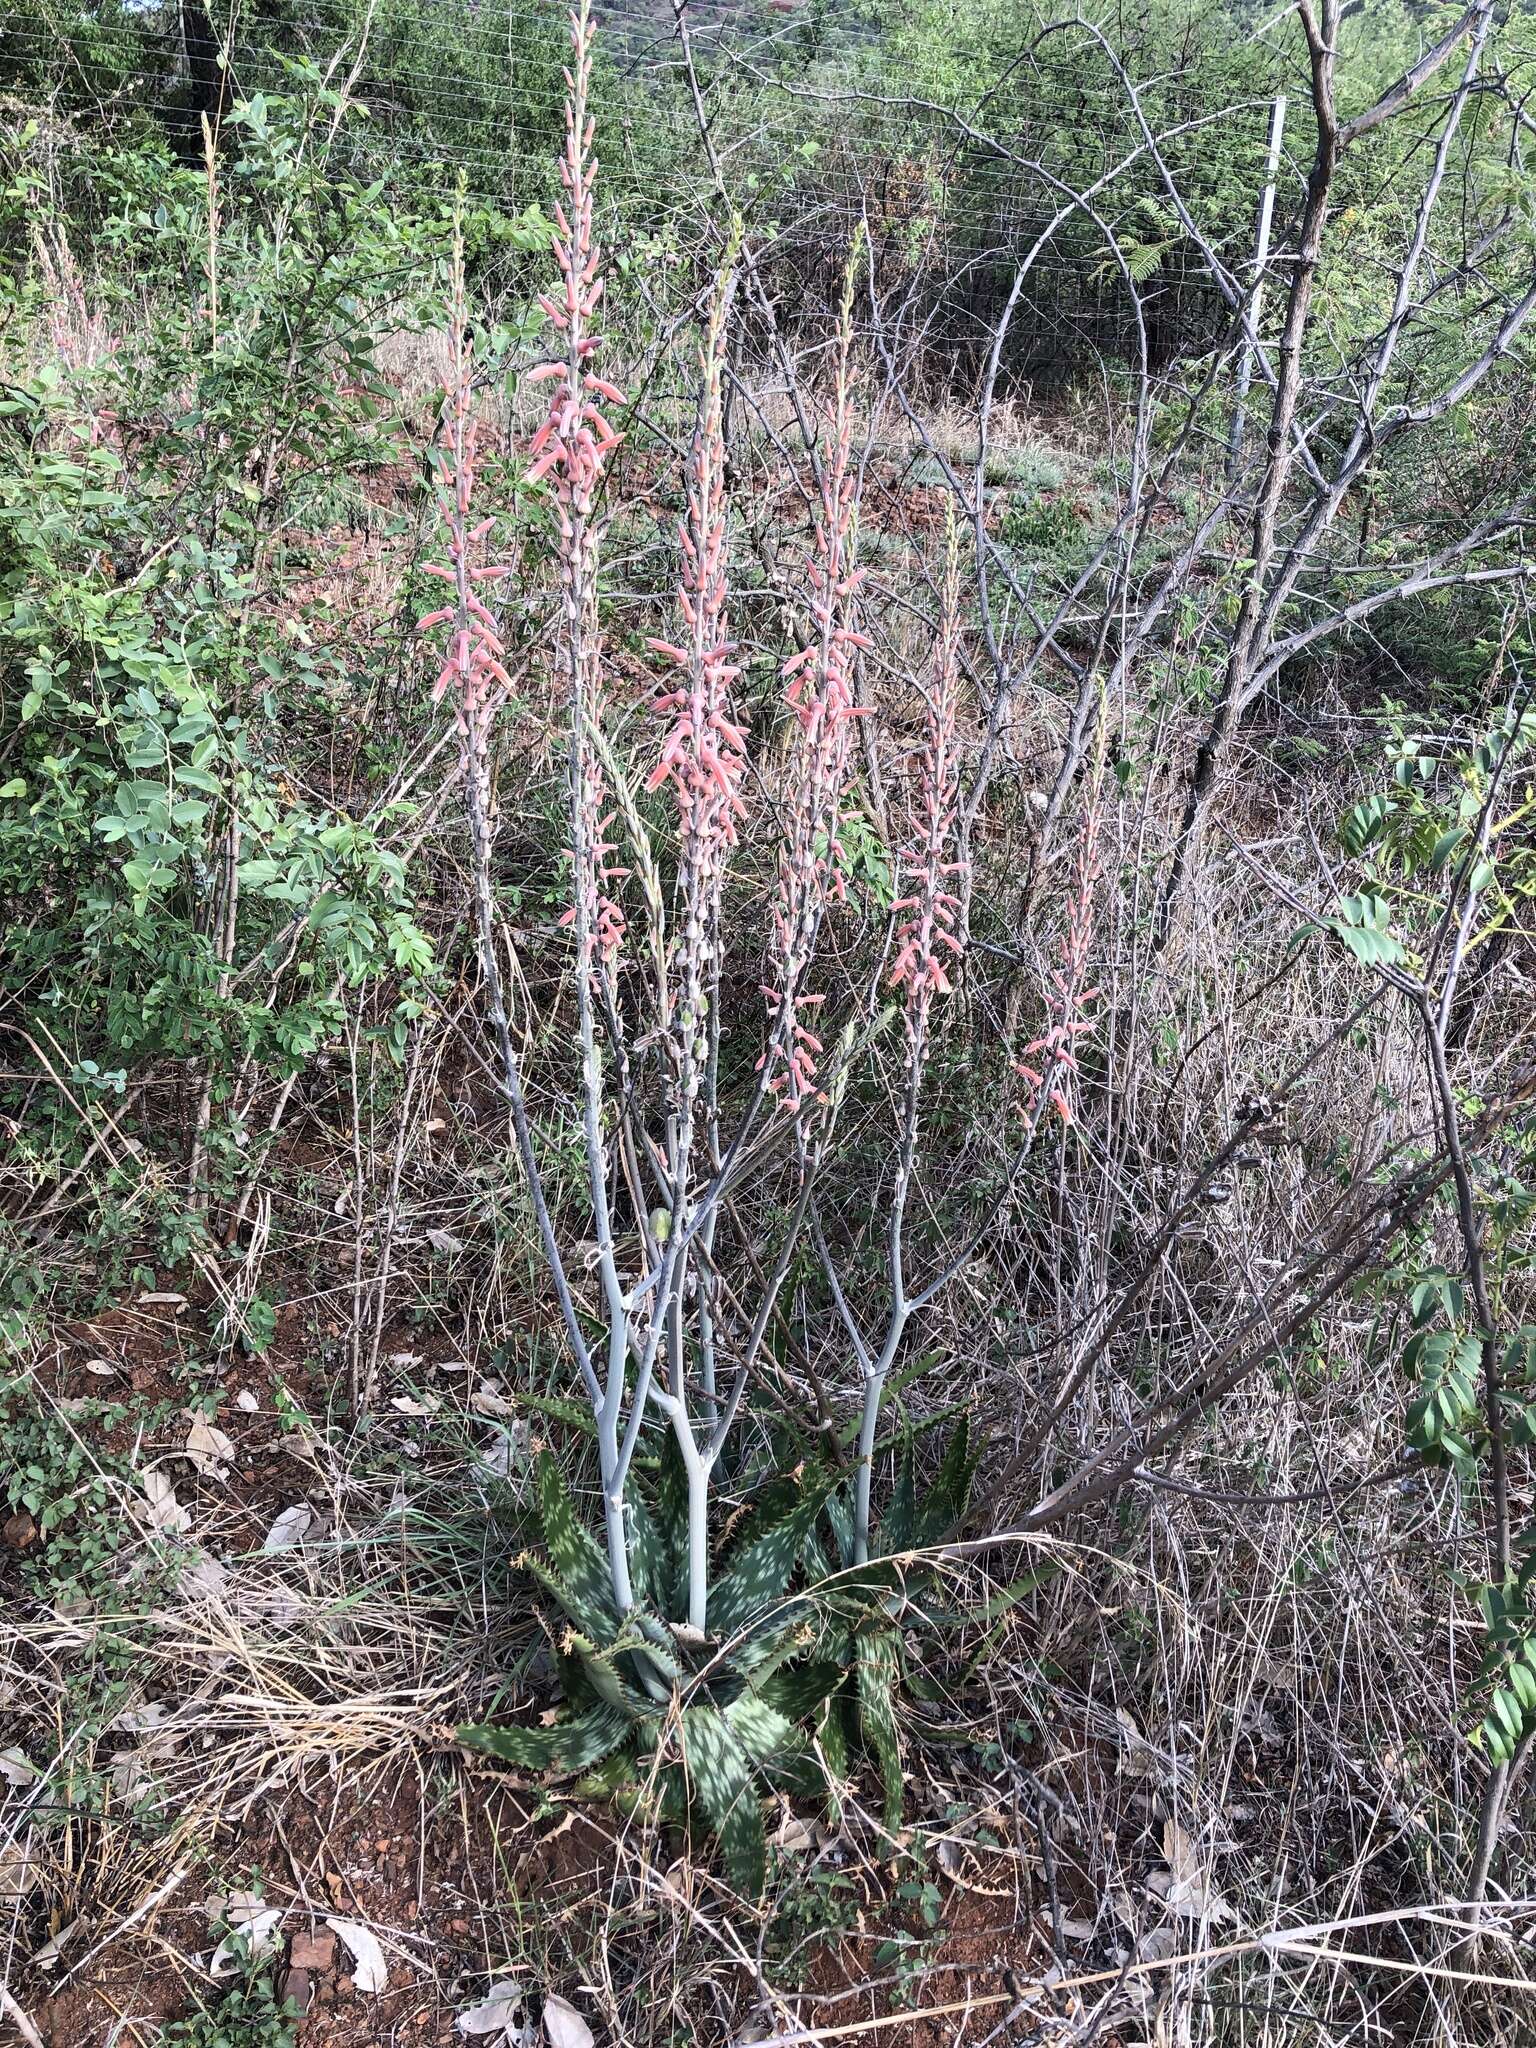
(802, 1670)
(695, 1726)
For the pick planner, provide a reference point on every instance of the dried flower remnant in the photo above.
(1049, 1063)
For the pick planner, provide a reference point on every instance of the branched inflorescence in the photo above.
(930, 942)
(820, 691)
(570, 449)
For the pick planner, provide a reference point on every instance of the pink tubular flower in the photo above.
(930, 944)
(570, 451)
(820, 691)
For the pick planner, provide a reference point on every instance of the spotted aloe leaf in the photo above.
(760, 1569)
(572, 1551)
(608, 1669)
(875, 1671)
(651, 1563)
(720, 1779)
(761, 1729)
(840, 1515)
(573, 1745)
(950, 1495)
(770, 1503)
(832, 1741)
(897, 1523)
(574, 1414)
(594, 1618)
(668, 1510)
(796, 1694)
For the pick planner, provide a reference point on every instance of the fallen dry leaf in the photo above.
(793, 1834)
(370, 1973)
(16, 1769)
(166, 1514)
(52, 1952)
(1138, 1757)
(289, 1529)
(141, 1720)
(253, 1932)
(18, 1871)
(203, 1579)
(209, 1450)
(565, 2026)
(488, 1399)
(496, 2013)
(1185, 1891)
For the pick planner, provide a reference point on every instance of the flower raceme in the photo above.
(820, 692)
(570, 451)
(575, 439)
(472, 676)
(931, 941)
(1049, 1063)
(703, 754)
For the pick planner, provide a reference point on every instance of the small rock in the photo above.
(20, 1530)
(295, 1988)
(313, 1951)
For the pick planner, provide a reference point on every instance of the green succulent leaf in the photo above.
(876, 1671)
(574, 1414)
(669, 1517)
(760, 1570)
(900, 1517)
(796, 1694)
(770, 1503)
(573, 1745)
(720, 1778)
(944, 1507)
(832, 1738)
(895, 1386)
(763, 1732)
(840, 1515)
(572, 1551)
(608, 1676)
(650, 1559)
(595, 1620)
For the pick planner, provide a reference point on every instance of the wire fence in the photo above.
(818, 124)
